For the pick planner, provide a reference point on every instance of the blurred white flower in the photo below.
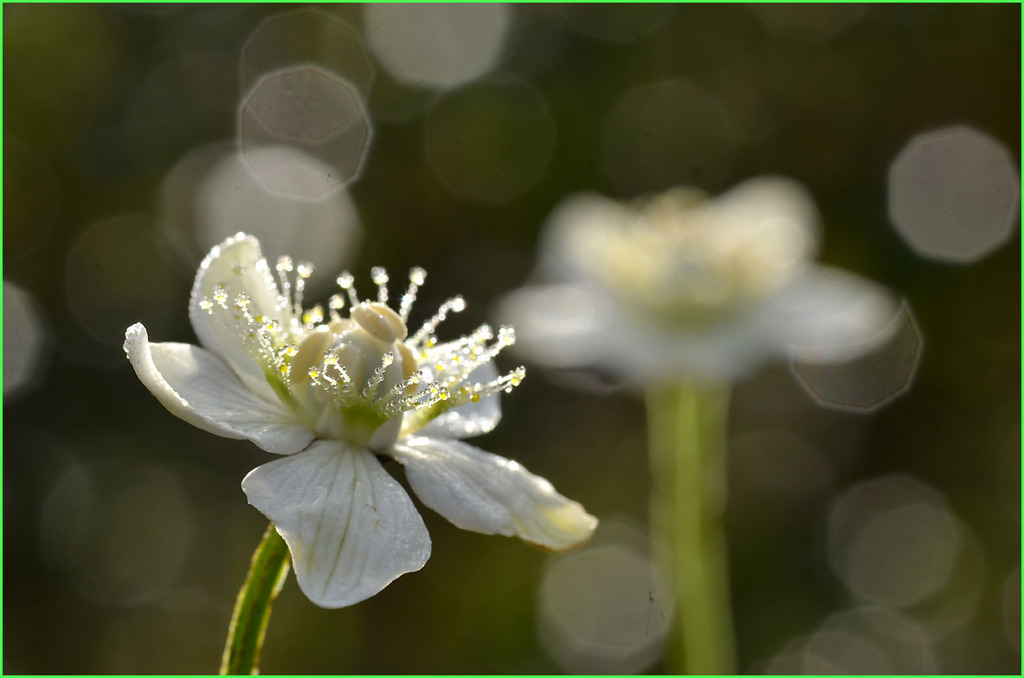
(679, 285)
(330, 393)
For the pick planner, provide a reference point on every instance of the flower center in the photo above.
(356, 377)
(683, 262)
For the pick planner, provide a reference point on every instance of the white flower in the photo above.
(682, 286)
(332, 392)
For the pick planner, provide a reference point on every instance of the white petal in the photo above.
(350, 526)
(575, 327)
(471, 419)
(238, 265)
(490, 494)
(562, 326)
(576, 219)
(780, 206)
(828, 313)
(195, 385)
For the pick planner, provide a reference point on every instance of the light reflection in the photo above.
(603, 609)
(840, 652)
(210, 194)
(894, 541)
(307, 36)
(437, 46)
(954, 194)
(956, 604)
(902, 642)
(861, 641)
(491, 141)
(923, 543)
(26, 342)
(118, 530)
(671, 133)
(874, 377)
(562, 312)
(313, 111)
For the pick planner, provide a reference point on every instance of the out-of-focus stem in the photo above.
(248, 628)
(686, 430)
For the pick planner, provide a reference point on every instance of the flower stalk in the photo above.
(248, 627)
(686, 429)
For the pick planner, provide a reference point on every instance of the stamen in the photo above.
(303, 272)
(342, 388)
(284, 267)
(387, 404)
(220, 295)
(435, 394)
(336, 303)
(442, 383)
(347, 282)
(505, 383)
(380, 279)
(378, 376)
(455, 305)
(313, 317)
(417, 276)
(261, 340)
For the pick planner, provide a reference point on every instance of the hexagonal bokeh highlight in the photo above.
(864, 640)
(437, 46)
(307, 36)
(101, 515)
(211, 194)
(490, 141)
(894, 541)
(874, 377)
(670, 133)
(314, 111)
(954, 194)
(26, 341)
(603, 609)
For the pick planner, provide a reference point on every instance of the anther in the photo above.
(417, 276)
(380, 278)
(346, 281)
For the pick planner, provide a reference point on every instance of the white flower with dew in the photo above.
(680, 285)
(330, 393)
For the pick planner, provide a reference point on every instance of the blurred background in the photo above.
(874, 510)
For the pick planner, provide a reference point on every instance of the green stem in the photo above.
(686, 429)
(248, 626)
